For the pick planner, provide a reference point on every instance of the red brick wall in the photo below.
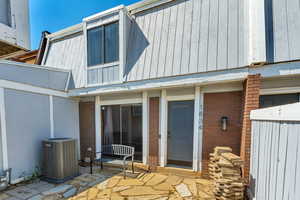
(217, 105)
(250, 102)
(153, 132)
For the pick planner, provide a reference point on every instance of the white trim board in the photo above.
(146, 4)
(32, 89)
(18, 64)
(51, 116)
(3, 129)
(98, 129)
(197, 150)
(200, 79)
(163, 128)
(168, 82)
(121, 101)
(104, 13)
(145, 126)
(181, 97)
(282, 90)
(289, 112)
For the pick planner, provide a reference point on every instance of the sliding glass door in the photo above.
(122, 124)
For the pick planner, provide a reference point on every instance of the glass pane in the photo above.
(111, 125)
(180, 132)
(132, 128)
(112, 42)
(123, 125)
(277, 100)
(95, 46)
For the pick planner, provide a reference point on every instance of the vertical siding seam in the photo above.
(199, 31)
(238, 33)
(270, 157)
(189, 60)
(153, 43)
(208, 35)
(297, 153)
(227, 30)
(218, 23)
(164, 73)
(258, 150)
(182, 40)
(285, 160)
(269, 160)
(137, 65)
(131, 37)
(274, 32)
(174, 40)
(278, 144)
(160, 38)
(287, 29)
(146, 50)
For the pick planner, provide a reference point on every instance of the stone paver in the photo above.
(152, 186)
(183, 190)
(4, 196)
(22, 192)
(158, 178)
(146, 186)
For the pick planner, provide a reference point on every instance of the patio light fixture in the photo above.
(224, 123)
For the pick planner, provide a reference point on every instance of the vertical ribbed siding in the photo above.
(282, 30)
(68, 53)
(103, 75)
(275, 160)
(187, 36)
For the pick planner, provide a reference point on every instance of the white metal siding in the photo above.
(187, 36)
(68, 53)
(275, 160)
(283, 27)
(103, 75)
(36, 76)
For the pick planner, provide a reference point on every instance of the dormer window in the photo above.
(103, 44)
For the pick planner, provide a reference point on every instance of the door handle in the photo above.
(169, 134)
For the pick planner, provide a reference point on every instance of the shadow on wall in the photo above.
(269, 30)
(252, 186)
(71, 83)
(137, 44)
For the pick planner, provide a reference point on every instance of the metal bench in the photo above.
(117, 150)
(5, 178)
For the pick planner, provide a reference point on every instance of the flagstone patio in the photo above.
(110, 184)
(148, 186)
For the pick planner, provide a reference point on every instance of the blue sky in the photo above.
(53, 15)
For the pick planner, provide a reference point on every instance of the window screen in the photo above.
(103, 44)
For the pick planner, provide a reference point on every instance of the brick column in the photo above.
(250, 102)
(153, 132)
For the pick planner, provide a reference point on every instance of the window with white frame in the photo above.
(103, 44)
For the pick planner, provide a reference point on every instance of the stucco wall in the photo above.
(27, 124)
(66, 118)
(1, 155)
